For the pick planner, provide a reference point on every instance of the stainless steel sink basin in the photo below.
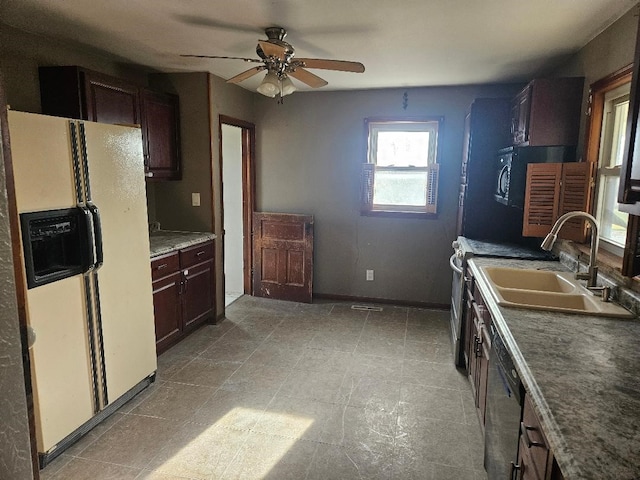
(545, 290)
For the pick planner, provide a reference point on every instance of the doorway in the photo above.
(237, 151)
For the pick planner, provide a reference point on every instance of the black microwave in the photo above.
(511, 169)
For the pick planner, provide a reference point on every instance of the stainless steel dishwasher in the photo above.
(505, 394)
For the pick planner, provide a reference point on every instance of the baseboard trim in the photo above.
(386, 301)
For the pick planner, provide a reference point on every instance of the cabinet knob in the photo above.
(148, 174)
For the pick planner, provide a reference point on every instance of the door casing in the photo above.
(248, 192)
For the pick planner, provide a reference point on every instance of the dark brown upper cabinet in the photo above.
(75, 92)
(160, 123)
(547, 112)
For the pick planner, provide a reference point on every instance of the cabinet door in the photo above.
(197, 294)
(162, 156)
(167, 310)
(483, 372)
(468, 320)
(542, 198)
(534, 455)
(476, 346)
(110, 100)
(629, 191)
(521, 110)
(552, 190)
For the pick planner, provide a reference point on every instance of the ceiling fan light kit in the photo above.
(287, 87)
(277, 57)
(270, 86)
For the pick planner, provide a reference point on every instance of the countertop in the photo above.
(582, 375)
(165, 241)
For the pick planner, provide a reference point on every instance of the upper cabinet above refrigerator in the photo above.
(75, 92)
(547, 112)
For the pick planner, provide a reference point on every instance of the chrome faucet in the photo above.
(592, 274)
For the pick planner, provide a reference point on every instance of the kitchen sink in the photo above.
(538, 280)
(546, 290)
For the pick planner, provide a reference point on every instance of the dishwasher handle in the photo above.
(452, 264)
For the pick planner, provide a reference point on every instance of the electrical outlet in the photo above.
(195, 199)
(369, 275)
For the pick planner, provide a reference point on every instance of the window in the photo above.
(613, 222)
(400, 175)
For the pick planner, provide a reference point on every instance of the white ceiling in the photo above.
(402, 43)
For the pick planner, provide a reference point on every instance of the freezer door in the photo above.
(42, 162)
(117, 187)
(61, 372)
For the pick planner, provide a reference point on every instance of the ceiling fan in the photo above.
(277, 58)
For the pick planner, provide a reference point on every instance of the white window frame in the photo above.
(605, 169)
(373, 126)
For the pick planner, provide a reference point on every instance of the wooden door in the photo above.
(283, 256)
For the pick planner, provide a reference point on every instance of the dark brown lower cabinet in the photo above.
(166, 308)
(182, 293)
(478, 347)
(535, 458)
(197, 294)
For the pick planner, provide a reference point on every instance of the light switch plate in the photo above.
(195, 199)
(369, 275)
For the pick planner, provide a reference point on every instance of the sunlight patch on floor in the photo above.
(210, 451)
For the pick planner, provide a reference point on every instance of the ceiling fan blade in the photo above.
(340, 65)
(246, 74)
(272, 50)
(307, 77)
(253, 60)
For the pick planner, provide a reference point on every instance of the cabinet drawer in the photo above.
(196, 254)
(533, 444)
(165, 265)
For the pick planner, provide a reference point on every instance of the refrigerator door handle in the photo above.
(91, 239)
(97, 236)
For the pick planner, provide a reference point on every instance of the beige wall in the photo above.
(610, 51)
(232, 101)
(309, 153)
(22, 53)
(203, 98)
(173, 199)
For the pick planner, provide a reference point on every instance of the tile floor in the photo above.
(292, 391)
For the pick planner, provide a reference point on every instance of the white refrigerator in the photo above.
(94, 343)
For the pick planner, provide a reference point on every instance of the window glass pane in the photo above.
(402, 149)
(613, 223)
(400, 188)
(620, 111)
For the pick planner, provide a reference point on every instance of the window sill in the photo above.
(609, 265)
(397, 214)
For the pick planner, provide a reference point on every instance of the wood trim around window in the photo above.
(597, 92)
